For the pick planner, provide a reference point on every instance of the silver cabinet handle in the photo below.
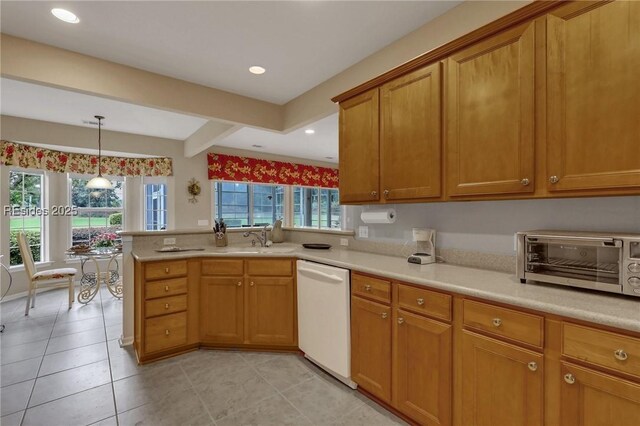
(400, 320)
(384, 315)
(569, 378)
(367, 287)
(554, 179)
(621, 355)
(420, 301)
(239, 283)
(533, 366)
(525, 182)
(374, 193)
(166, 306)
(166, 332)
(386, 193)
(252, 284)
(166, 270)
(497, 322)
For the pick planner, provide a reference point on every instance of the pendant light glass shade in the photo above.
(99, 182)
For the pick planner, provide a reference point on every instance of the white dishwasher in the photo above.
(324, 318)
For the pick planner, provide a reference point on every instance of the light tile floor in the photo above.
(63, 367)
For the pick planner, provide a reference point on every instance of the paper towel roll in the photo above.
(380, 216)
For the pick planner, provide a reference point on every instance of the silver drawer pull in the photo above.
(400, 320)
(569, 378)
(166, 306)
(384, 315)
(166, 270)
(533, 366)
(525, 182)
(420, 301)
(166, 288)
(166, 332)
(497, 322)
(620, 355)
(367, 287)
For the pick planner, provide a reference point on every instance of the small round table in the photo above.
(91, 281)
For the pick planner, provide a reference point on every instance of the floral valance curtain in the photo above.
(243, 169)
(33, 157)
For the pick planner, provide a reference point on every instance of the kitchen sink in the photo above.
(257, 250)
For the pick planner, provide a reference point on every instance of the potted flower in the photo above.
(107, 239)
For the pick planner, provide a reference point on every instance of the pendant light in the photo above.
(99, 182)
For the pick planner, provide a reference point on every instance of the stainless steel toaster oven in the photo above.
(597, 261)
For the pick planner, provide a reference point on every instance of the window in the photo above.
(155, 207)
(26, 200)
(244, 204)
(99, 211)
(316, 208)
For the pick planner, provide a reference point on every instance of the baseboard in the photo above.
(125, 341)
(38, 291)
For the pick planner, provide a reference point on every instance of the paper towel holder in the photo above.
(379, 216)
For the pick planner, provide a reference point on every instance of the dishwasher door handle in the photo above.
(317, 274)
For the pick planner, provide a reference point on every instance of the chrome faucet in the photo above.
(262, 238)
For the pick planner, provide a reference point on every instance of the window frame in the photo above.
(70, 177)
(44, 223)
(154, 181)
(319, 215)
(217, 201)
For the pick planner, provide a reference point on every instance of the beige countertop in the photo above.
(601, 308)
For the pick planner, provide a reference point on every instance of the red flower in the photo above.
(94, 161)
(122, 163)
(39, 155)
(62, 158)
(151, 163)
(9, 149)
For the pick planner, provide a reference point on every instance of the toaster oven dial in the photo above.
(634, 282)
(634, 267)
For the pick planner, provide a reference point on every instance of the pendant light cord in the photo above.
(99, 144)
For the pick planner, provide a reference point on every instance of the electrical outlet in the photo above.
(203, 222)
(344, 242)
(363, 231)
(169, 241)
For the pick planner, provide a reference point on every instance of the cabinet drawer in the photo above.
(165, 332)
(165, 288)
(424, 301)
(165, 305)
(270, 267)
(519, 326)
(159, 270)
(226, 267)
(371, 288)
(603, 348)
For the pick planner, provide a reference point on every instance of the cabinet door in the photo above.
(359, 149)
(593, 96)
(490, 120)
(222, 309)
(591, 398)
(410, 142)
(271, 311)
(502, 384)
(422, 368)
(371, 347)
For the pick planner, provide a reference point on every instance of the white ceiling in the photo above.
(323, 143)
(300, 43)
(37, 102)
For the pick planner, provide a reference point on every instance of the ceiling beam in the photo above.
(206, 136)
(39, 63)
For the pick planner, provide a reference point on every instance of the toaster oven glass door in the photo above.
(583, 260)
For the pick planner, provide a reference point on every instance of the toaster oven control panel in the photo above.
(631, 283)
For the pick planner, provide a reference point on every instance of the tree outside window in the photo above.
(25, 196)
(99, 211)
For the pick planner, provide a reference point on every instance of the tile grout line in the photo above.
(106, 342)
(206, 407)
(290, 387)
(26, 408)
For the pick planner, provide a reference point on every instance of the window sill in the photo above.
(323, 231)
(20, 268)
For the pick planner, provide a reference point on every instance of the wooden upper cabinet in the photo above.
(422, 368)
(410, 142)
(360, 149)
(490, 115)
(588, 397)
(272, 311)
(502, 384)
(593, 96)
(371, 347)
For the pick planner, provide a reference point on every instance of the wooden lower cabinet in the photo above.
(272, 309)
(588, 397)
(502, 384)
(222, 309)
(371, 347)
(422, 368)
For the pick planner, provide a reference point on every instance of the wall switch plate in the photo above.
(363, 231)
(344, 242)
(203, 222)
(169, 241)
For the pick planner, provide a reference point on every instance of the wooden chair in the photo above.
(61, 277)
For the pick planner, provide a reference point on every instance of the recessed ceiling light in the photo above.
(256, 69)
(257, 146)
(65, 15)
(309, 131)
